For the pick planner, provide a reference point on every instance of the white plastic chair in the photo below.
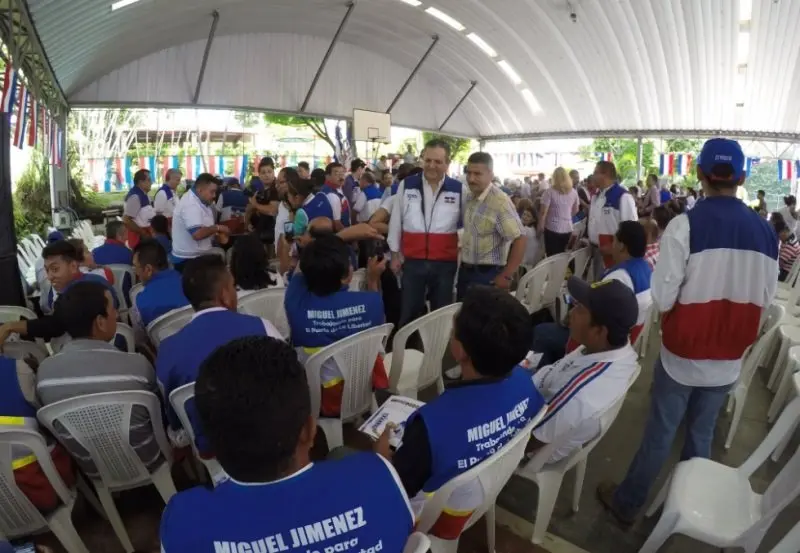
(752, 359)
(355, 356)
(178, 399)
(790, 542)
(417, 543)
(580, 259)
(714, 503)
(548, 477)
(642, 341)
(359, 280)
(120, 271)
(267, 304)
(11, 313)
(101, 424)
(411, 370)
(492, 473)
(135, 289)
(128, 335)
(784, 384)
(168, 324)
(540, 286)
(22, 349)
(18, 516)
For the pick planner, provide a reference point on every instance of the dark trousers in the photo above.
(469, 275)
(550, 339)
(555, 242)
(423, 279)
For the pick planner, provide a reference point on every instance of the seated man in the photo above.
(321, 310)
(789, 250)
(585, 383)
(41, 273)
(209, 287)
(87, 264)
(160, 226)
(162, 291)
(90, 364)
(18, 405)
(653, 234)
(231, 206)
(114, 250)
(253, 401)
(475, 416)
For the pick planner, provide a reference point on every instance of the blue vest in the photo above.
(318, 321)
(180, 355)
(395, 186)
(319, 509)
(12, 402)
(639, 271)
(235, 199)
(144, 200)
(161, 294)
(167, 191)
(468, 423)
(414, 182)
(665, 196)
(345, 219)
(319, 206)
(614, 195)
(165, 242)
(372, 193)
(113, 253)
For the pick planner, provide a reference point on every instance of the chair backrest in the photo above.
(358, 281)
(168, 324)
(558, 269)
(755, 353)
(125, 337)
(267, 304)
(124, 277)
(531, 287)
(179, 399)
(18, 516)
(580, 259)
(22, 349)
(11, 313)
(640, 345)
(417, 543)
(101, 424)
(355, 356)
(492, 473)
(791, 278)
(38, 242)
(434, 329)
(135, 289)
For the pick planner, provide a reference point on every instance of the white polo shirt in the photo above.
(190, 215)
(163, 205)
(140, 215)
(284, 216)
(578, 388)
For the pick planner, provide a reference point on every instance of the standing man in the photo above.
(137, 211)
(409, 157)
(304, 170)
(612, 205)
(357, 167)
(265, 202)
(334, 180)
(716, 273)
(490, 224)
(193, 227)
(166, 199)
(423, 233)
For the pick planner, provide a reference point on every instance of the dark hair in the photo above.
(170, 172)
(482, 158)
(325, 263)
(617, 337)
(304, 165)
(789, 200)
(415, 171)
(653, 177)
(266, 162)
(114, 228)
(439, 143)
(253, 387)
(779, 226)
(290, 174)
(160, 224)
(206, 178)
(608, 169)
(403, 171)
(632, 235)
(151, 252)
(776, 216)
(250, 264)
(79, 306)
(140, 176)
(721, 176)
(761, 192)
(80, 247)
(63, 249)
(331, 166)
(303, 187)
(690, 192)
(356, 164)
(674, 189)
(369, 177)
(202, 278)
(662, 216)
(495, 330)
(317, 177)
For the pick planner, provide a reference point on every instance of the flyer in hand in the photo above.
(396, 410)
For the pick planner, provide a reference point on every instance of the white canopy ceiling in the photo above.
(625, 65)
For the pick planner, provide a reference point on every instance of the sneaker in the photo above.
(605, 494)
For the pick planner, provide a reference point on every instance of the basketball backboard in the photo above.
(372, 126)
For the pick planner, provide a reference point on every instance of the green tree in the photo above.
(247, 119)
(625, 152)
(460, 148)
(316, 124)
(764, 176)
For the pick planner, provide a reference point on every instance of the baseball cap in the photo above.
(611, 303)
(55, 236)
(721, 151)
(230, 181)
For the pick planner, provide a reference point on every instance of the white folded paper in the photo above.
(396, 411)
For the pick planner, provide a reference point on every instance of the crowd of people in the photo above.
(423, 241)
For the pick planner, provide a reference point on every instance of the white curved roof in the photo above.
(624, 65)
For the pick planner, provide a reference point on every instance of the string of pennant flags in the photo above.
(31, 123)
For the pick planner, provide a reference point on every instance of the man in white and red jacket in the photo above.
(423, 233)
(610, 206)
(716, 273)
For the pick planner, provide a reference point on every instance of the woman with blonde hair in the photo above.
(560, 204)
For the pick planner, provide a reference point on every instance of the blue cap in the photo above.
(719, 151)
(55, 236)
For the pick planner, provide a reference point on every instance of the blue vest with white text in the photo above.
(372, 193)
(180, 355)
(345, 219)
(236, 200)
(161, 294)
(639, 271)
(614, 195)
(319, 206)
(321, 508)
(468, 423)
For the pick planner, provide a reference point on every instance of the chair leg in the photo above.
(738, 409)
(491, 529)
(440, 385)
(660, 498)
(661, 533)
(162, 479)
(61, 525)
(333, 432)
(549, 485)
(580, 475)
(86, 490)
(781, 363)
(113, 517)
(778, 452)
(779, 401)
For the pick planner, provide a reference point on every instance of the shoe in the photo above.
(605, 493)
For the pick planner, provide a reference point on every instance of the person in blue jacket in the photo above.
(254, 404)
(114, 251)
(162, 291)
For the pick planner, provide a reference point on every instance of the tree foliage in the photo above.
(316, 124)
(460, 148)
(764, 176)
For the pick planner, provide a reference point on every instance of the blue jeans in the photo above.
(670, 402)
(469, 275)
(421, 276)
(550, 339)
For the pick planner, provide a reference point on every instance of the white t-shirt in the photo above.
(163, 205)
(573, 411)
(365, 208)
(791, 222)
(531, 246)
(140, 215)
(191, 214)
(282, 217)
(336, 205)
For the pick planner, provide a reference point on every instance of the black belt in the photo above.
(480, 268)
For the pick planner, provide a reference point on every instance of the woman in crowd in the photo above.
(250, 266)
(559, 205)
(789, 213)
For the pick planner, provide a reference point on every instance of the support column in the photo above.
(59, 176)
(639, 151)
(11, 292)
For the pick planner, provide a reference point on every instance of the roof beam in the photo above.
(206, 52)
(327, 56)
(413, 73)
(653, 133)
(472, 86)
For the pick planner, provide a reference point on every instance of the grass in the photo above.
(105, 199)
